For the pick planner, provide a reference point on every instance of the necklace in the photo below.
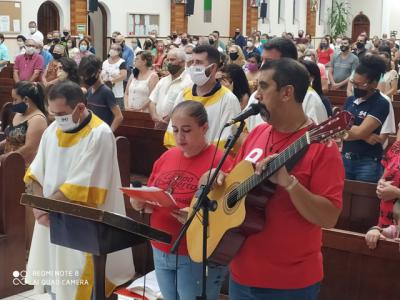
(282, 140)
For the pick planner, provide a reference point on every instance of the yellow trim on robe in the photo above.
(206, 101)
(29, 177)
(84, 291)
(79, 193)
(66, 140)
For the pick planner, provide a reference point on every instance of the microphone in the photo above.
(252, 110)
(136, 183)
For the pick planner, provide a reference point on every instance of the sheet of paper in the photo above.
(16, 26)
(4, 23)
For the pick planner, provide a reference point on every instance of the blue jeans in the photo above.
(189, 277)
(242, 292)
(367, 169)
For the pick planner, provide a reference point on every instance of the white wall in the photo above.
(373, 10)
(394, 20)
(271, 25)
(121, 8)
(219, 18)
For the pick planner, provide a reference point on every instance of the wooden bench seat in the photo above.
(12, 225)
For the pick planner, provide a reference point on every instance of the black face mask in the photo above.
(122, 45)
(184, 41)
(113, 40)
(91, 81)
(233, 55)
(211, 41)
(360, 45)
(344, 48)
(65, 33)
(174, 36)
(56, 55)
(20, 107)
(359, 93)
(173, 69)
(56, 40)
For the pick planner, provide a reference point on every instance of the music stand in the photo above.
(93, 231)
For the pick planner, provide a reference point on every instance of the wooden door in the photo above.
(48, 18)
(360, 24)
(236, 17)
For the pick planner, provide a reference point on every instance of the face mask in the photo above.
(66, 123)
(249, 45)
(174, 36)
(360, 45)
(122, 45)
(211, 41)
(30, 50)
(322, 45)
(56, 40)
(344, 48)
(195, 42)
(263, 41)
(308, 58)
(32, 30)
(20, 44)
(91, 81)
(69, 45)
(134, 46)
(173, 69)
(300, 35)
(184, 41)
(359, 93)
(252, 67)
(62, 75)
(65, 33)
(198, 75)
(20, 107)
(56, 55)
(113, 53)
(83, 48)
(233, 55)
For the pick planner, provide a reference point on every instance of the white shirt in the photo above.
(313, 107)
(37, 36)
(111, 71)
(166, 91)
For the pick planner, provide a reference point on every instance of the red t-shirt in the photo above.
(181, 174)
(391, 163)
(324, 57)
(286, 254)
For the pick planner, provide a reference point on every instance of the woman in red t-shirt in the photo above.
(324, 52)
(178, 171)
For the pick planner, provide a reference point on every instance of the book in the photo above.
(135, 290)
(151, 195)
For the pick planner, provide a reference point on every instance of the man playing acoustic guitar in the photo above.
(284, 260)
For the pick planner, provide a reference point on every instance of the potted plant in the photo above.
(339, 17)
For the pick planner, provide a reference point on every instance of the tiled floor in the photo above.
(28, 295)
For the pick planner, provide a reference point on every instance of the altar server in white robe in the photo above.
(76, 162)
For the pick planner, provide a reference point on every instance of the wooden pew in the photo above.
(142, 255)
(6, 86)
(360, 206)
(137, 119)
(354, 272)
(12, 224)
(146, 145)
(396, 108)
(396, 97)
(7, 72)
(337, 98)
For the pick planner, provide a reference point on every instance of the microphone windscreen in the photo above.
(136, 183)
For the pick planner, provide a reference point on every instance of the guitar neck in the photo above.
(273, 166)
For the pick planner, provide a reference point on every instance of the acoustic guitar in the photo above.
(242, 198)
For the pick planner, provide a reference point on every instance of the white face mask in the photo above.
(113, 53)
(20, 44)
(198, 74)
(66, 123)
(32, 30)
(249, 44)
(30, 50)
(189, 57)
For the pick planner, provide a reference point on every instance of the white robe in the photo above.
(84, 167)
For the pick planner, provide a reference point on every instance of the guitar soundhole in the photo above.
(231, 200)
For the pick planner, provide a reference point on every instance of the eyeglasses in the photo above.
(358, 85)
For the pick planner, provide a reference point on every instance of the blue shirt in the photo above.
(47, 57)
(3, 54)
(376, 107)
(127, 55)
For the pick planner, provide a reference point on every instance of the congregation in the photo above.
(67, 105)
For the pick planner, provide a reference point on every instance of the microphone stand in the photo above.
(206, 205)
